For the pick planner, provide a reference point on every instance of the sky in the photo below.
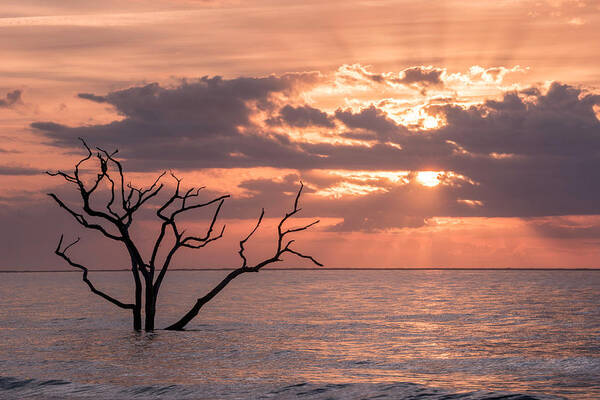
(452, 133)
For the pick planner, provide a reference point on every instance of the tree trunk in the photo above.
(137, 310)
(150, 309)
(137, 318)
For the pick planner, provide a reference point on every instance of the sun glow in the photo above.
(398, 177)
(416, 117)
(428, 178)
(349, 189)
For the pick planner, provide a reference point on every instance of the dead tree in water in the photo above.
(115, 219)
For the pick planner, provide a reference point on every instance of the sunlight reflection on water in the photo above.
(519, 331)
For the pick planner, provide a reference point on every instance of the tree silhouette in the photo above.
(114, 221)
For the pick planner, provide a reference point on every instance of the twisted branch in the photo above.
(169, 221)
(63, 255)
(81, 219)
(280, 250)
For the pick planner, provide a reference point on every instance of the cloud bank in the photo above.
(529, 152)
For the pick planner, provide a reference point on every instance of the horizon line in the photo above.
(336, 269)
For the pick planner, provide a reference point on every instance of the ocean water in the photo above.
(427, 334)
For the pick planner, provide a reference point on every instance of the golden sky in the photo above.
(451, 133)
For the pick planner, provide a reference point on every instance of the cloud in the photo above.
(15, 170)
(567, 227)
(356, 74)
(209, 120)
(11, 99)
(5, 151)
(32, 226)
(560, 122)
(373, 120)
(415, 77)
(302, 117)
(422, 77)
(92, 97)
(530, 153)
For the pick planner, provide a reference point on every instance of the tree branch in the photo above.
(63, 255)
(192, 242)
(81, 219)
(243, 241)
(148, 193)
(206, 238)
(193, 312)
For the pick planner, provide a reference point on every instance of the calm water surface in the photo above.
(308, 334)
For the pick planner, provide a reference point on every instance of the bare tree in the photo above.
(114, 220)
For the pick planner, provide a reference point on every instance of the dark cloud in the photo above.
(286, 184)
(92, 97)
(196, 124)
(11, 99)
(373, 120)
(377, 222)
(531, 153)
(302, 117)
(421, 76)
(567, 228)
(13, 170)
(31, 226)
(560, 123)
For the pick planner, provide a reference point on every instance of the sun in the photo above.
(428, 178)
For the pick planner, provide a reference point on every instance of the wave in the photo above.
(15, 388)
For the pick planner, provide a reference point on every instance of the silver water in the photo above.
(308, 334)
